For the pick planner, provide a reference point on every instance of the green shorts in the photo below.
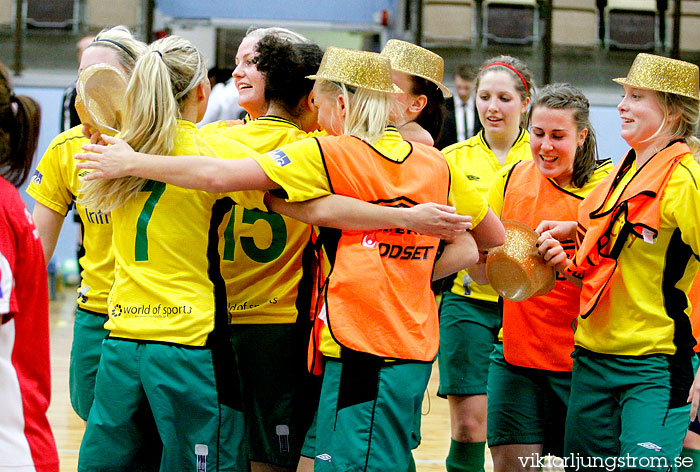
(632, 410)
(468, 330)
(280, 396)
(146, 393)
(526, 406)
(88, 334)
(367, 411)
(309, 447)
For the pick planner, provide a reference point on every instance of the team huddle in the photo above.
(259, 294)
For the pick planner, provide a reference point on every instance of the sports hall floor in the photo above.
(68, 427)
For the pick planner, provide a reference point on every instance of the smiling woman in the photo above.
(249, 80)
(530, 372)
(469, 311)
(636, 258)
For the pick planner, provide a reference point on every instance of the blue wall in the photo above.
(333, 11)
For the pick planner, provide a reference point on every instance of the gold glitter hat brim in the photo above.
(415, 60)
(100, 98)
(662, 74)
(516, 270)
(361, 69)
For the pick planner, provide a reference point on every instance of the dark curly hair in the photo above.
(285, 66)
(19, 132)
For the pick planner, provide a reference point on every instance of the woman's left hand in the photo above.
(552, 252)
(106, 162)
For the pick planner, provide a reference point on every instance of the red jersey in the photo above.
(26, 441)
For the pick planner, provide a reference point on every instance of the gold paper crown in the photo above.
(516, 270)
(100, 98)
(360, 69)
(415, 60)
(663, 75)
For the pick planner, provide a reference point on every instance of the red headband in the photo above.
(527, 90)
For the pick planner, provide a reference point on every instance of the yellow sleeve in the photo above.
(55, 183)
(298, 169)
(229, 149)
(681, 202)
(215, 128)
(497, 190)
(465, 197)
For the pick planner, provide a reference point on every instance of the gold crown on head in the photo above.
(100, 97)
(359, 69)
(663, 74)
(415, 60)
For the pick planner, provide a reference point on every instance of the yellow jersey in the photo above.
(479, 164)
(263, 251)
(651, 279)
(55, 184)
(168, 285)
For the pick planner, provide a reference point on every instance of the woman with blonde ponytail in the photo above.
(167, 368)
(55, 186)
(360, 331)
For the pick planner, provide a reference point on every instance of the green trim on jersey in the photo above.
(263, 263)
(168, 286)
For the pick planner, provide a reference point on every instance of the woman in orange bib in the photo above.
(638, 239)
(530, 371)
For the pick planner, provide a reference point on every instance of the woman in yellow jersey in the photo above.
(638, 244)
(353, 96)
(167, 365)
(469, 313)
(55, 186)
(266, 265)
(249, 80)
(530, 372)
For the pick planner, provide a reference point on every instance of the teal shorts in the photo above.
(147, 394)
(88, 334)
(367, 411)
(468, 330)
(280, 396)
(526, 406)
(309, 447)
(632, 410)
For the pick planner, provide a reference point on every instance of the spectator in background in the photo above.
(462, 120)
(69, 117)
(223, 101)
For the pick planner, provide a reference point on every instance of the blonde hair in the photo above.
(686, 127)
(155, 98)
(277, 32)
(120, 40)
(367, 111)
